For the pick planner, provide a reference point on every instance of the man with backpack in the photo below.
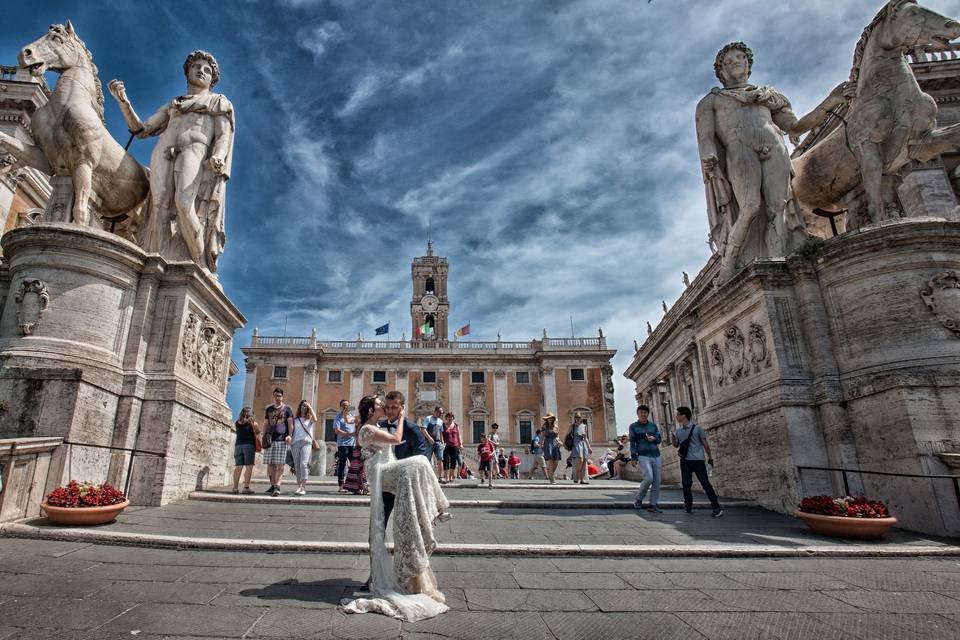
(693, 448)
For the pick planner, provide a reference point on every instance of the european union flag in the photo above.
(385, 329)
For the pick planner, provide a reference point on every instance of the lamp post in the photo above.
(662, 389)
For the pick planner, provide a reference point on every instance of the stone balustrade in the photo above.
(415, 346)
(926, 54)
(24, 467)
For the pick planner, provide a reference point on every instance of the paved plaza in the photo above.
(555, 564)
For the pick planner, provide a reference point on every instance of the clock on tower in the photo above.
(430, 308)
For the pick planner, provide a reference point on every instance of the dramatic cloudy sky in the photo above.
(551, 143)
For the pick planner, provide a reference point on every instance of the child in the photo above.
(485, 450)
(502, 463)
(514, 463)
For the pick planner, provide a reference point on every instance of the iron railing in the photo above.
(133, 454)
(846, 483)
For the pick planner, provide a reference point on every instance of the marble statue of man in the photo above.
(745, 162)
(189, 166)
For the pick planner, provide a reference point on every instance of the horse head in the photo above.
(58, 50)
(908, 25)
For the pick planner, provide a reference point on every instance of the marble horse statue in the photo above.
(889, 121)
(73, 139)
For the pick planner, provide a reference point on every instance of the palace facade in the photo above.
(509, 383)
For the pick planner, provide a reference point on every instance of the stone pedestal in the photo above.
(848, 359)
(101, 343)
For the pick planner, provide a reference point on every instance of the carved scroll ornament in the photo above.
(203, 350)
(32, 301)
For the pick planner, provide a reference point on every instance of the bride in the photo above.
(405, 588)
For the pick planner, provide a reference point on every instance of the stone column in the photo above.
(403, 385)
(698, 389)
(549, 391)
(310, 384)
(250, 385)
(356, 386)
(501, 406)
(456, 396)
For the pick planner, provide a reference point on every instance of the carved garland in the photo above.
(942, 297)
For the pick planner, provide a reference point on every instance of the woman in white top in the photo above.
(403, 586)
(301, 443)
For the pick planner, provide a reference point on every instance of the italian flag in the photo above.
(424, 330)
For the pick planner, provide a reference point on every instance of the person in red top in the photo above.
(514, 463)
(453, 448)
(592, 469)
(485, 451)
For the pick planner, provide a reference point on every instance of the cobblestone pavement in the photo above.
(97, 592)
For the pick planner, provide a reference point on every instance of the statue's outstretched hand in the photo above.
(217, 165)
(843, 92)
(118, 91)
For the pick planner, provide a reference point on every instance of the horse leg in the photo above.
(27, 154)
(871, 171)
(936, 142)
(82, 190)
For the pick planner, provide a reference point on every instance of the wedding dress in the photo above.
(405, 587)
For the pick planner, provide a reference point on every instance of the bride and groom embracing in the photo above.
(402, 484)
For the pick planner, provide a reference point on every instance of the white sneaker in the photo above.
(300, 492)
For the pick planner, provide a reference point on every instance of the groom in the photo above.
(413, 441)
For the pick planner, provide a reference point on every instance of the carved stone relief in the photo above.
(32, 300)
(203, 350)
(942, 296)
(757, 347)
(738, 357)
(478, 396)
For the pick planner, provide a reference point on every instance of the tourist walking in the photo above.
(495, 440)
(279, 419)
(432, 431)
(694, 450)
(536, 450)
(452, 447)
(551, 445)
(645, 449)
(344, 426)
(486, 453)
(581, 449)
(244, 449)
(621, 459)
(302, 443)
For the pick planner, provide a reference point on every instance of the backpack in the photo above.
(568, 441)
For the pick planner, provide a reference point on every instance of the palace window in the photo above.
(479, 428)
(280, 373)
(523, 377)
(329, 435)
(526, 431)
(478, 377)
(380, 376)
(430, 377)
(334, 377)
(577, 375)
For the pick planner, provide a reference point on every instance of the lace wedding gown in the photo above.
(405, 588)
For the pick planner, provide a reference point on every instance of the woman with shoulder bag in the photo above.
(302, 443)
(551, 445)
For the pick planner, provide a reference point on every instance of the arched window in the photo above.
(587, 417)
(430, 287)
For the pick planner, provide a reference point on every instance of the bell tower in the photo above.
(430, 307)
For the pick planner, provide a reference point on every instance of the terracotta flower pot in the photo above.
(83, 515)
(842, 527)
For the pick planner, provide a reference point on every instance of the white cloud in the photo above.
(319, 38)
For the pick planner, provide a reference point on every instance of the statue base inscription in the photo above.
(845, 359)
(104, 344)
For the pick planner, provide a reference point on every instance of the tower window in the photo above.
(576, 375)
(430, 287)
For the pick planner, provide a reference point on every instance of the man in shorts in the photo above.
(486, 451)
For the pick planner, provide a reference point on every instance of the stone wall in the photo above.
(102, 344)
(849, 359)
